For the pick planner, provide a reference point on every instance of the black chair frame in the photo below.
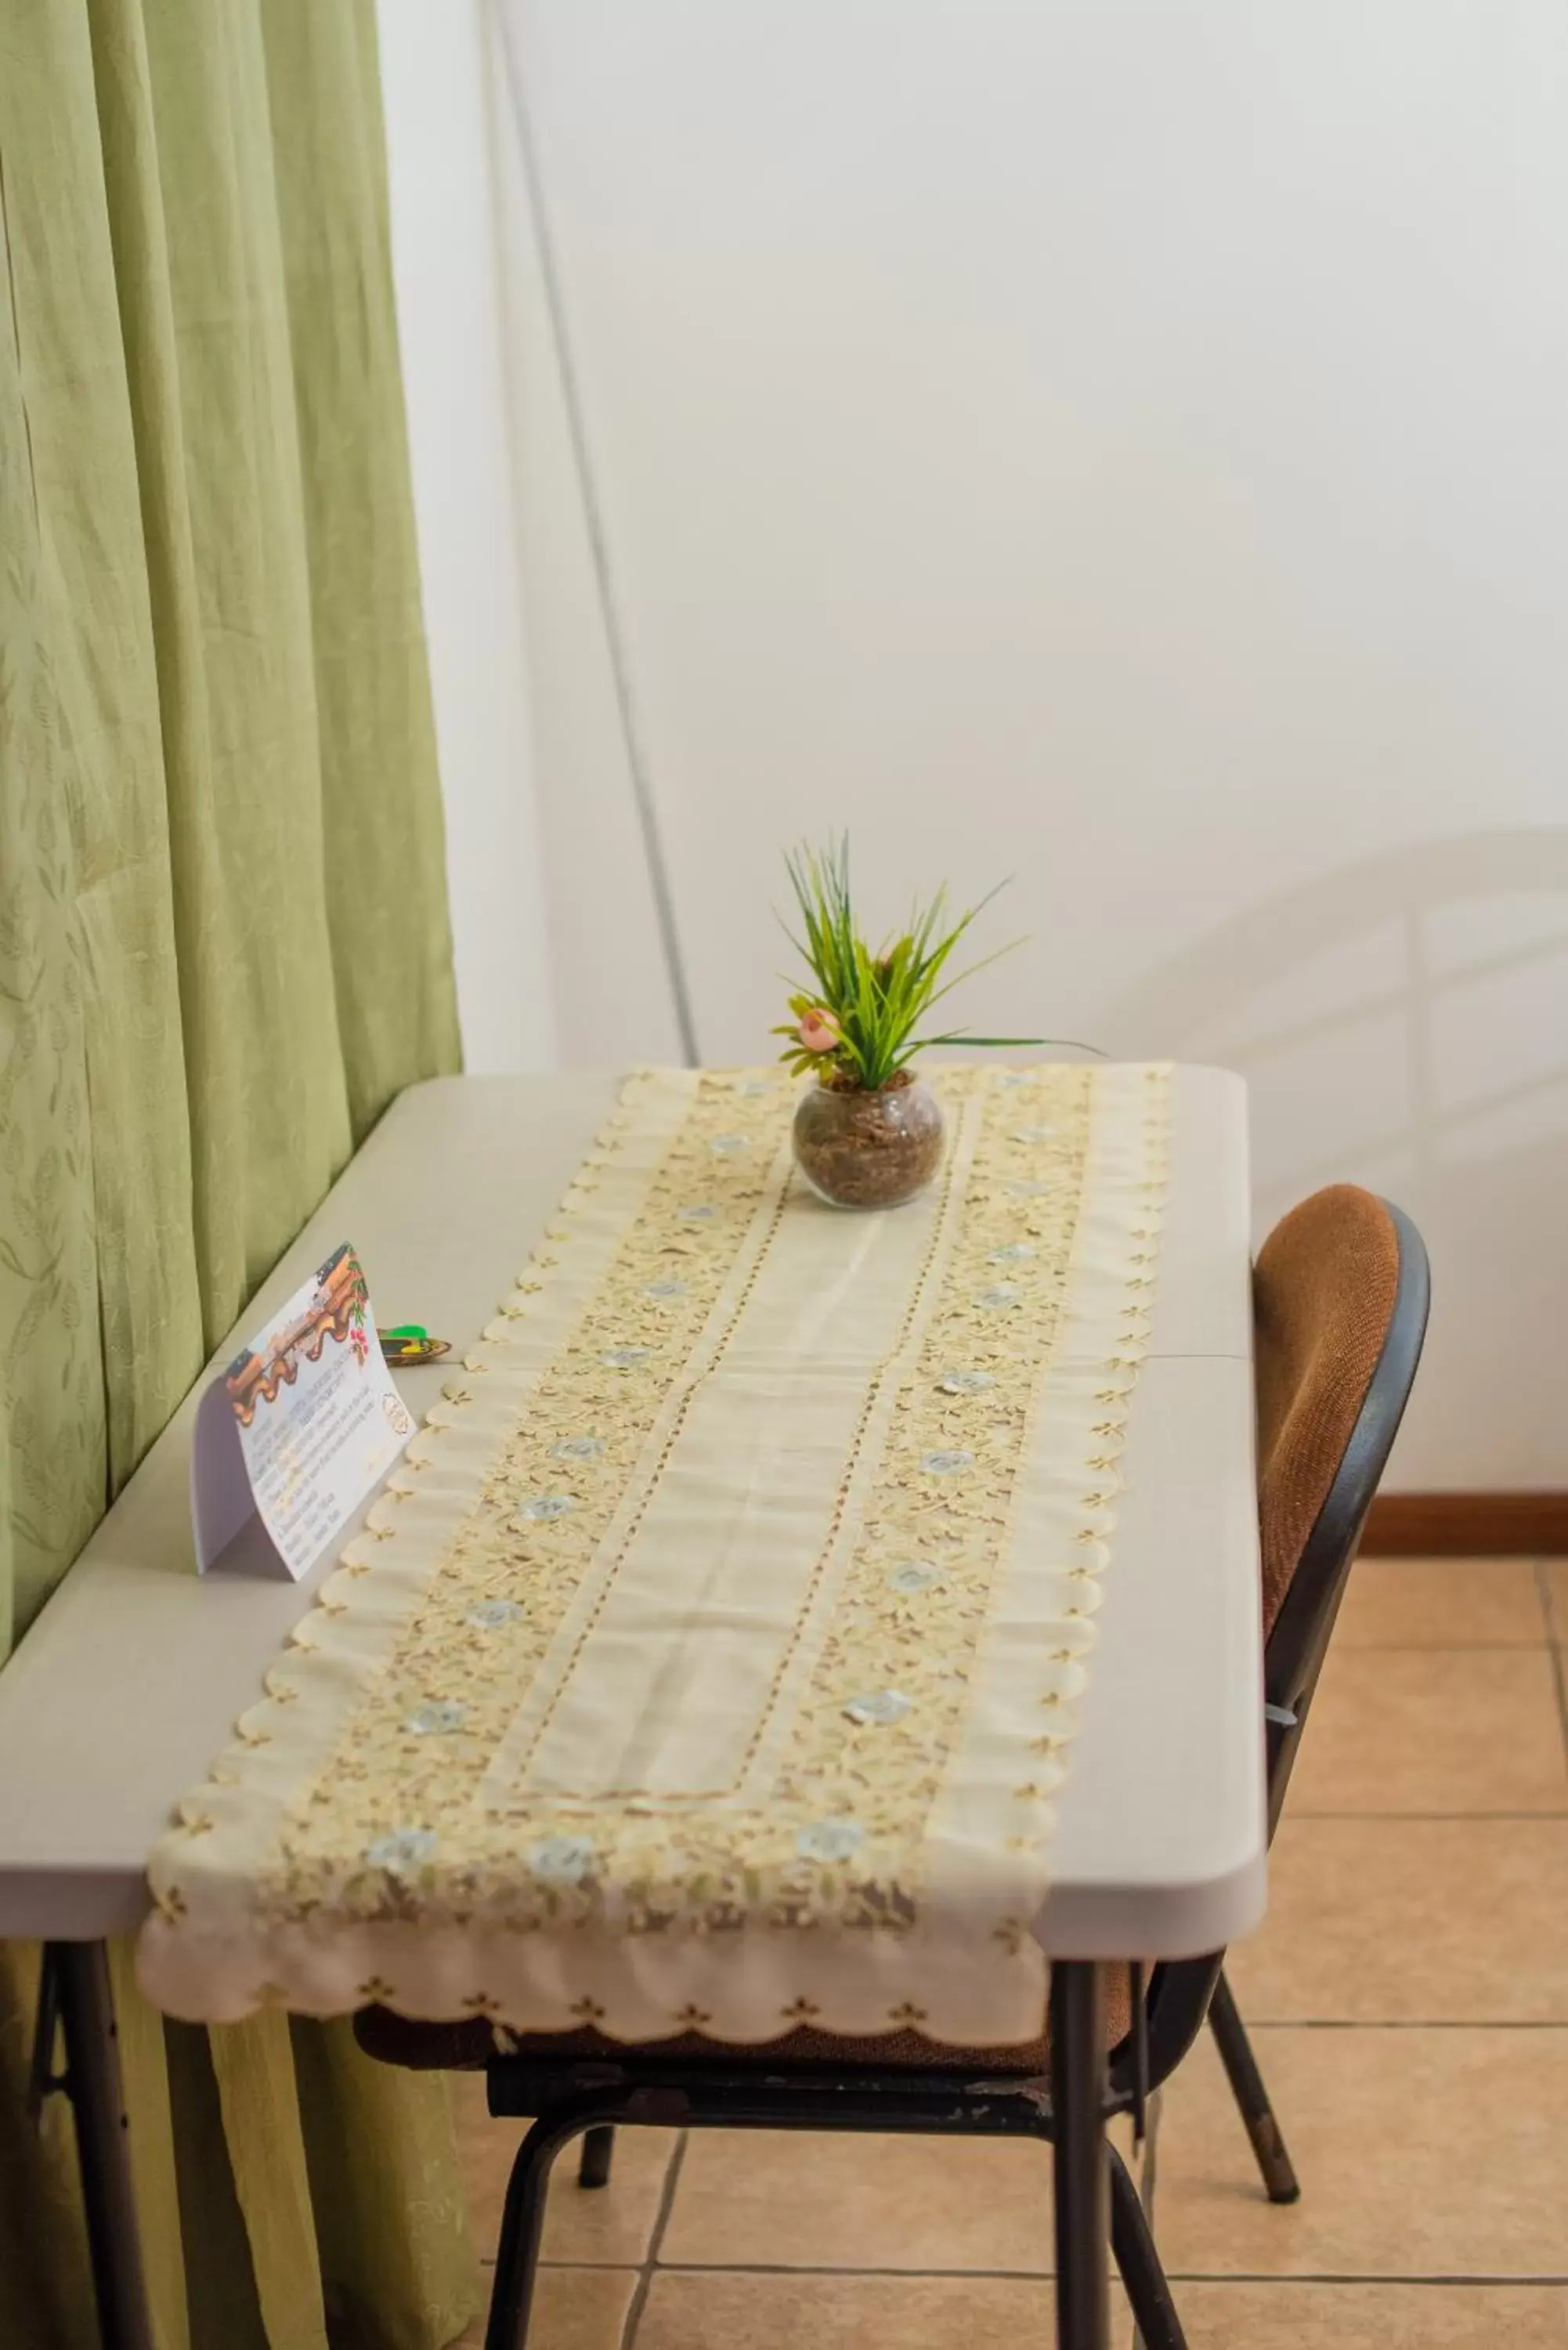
(566, 2097)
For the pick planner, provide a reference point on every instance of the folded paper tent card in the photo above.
(293, 1436)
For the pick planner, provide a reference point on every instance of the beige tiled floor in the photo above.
(1408, 2002)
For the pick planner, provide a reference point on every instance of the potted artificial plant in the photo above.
(868, 1133)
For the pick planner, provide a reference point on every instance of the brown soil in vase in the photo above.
(860, 1149)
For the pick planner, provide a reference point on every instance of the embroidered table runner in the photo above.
(712, 1659)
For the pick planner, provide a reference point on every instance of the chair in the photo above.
(1341, 1297)
(1336, 1275)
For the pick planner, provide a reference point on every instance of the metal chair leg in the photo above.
(1077, 2014)
(1247, 2087)
(522, 2225)
(1158, 2326)
(598, 2151)
(80, 1981)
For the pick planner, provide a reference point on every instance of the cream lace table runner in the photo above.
(712, 1659)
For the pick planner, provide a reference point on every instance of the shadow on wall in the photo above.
(1403, 1023)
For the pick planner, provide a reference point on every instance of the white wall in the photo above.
(1122, 446)
(435, 79)
(614, 1003)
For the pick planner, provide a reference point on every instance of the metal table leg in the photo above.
(1077, 2104)
(92, 2082)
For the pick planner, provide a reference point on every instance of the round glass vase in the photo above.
(858, 1148)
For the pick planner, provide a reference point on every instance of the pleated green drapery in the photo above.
(223, 947)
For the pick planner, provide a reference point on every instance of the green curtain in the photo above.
(223, 947)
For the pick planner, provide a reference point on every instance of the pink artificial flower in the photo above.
(818, 1031)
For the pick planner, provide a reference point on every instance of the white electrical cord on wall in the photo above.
(593, 514)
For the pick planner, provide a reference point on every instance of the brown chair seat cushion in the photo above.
(468, 2046)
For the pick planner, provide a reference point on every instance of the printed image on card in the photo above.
(318, 1417)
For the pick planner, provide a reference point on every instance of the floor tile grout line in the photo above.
(1543, 1589)
(1406, 2023)
(599, 2268)
(829, 2269)
(1177, 2276)
(650, 2263)
(1442, 2282)
(1300, 1811)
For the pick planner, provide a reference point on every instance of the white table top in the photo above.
(132, 1677)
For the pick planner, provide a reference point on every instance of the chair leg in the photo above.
(92, 2081)
(598, 2151)
(1250, 2096)
(1158, 2326)
(522, 2225)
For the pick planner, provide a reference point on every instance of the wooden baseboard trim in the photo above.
(1468, 1525)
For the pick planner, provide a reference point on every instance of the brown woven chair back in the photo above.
(1322, 1296)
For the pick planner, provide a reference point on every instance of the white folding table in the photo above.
(131, 1680)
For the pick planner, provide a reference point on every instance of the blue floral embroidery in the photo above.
(433, 1720)
(960, 1383)
(548, 1505)
(577, 1447)
(879, 1707)
(665, 1289)
(627, 1358)
(562, 1859)
(830, 1839)
(946, 1464)
(725, 1146)
(915, 1576)
(1000, 1295)
(404, 1849)
(491, 1614)
(1014, 1252)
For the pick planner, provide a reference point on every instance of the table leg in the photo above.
(92, 2082)
(1077, 2105)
